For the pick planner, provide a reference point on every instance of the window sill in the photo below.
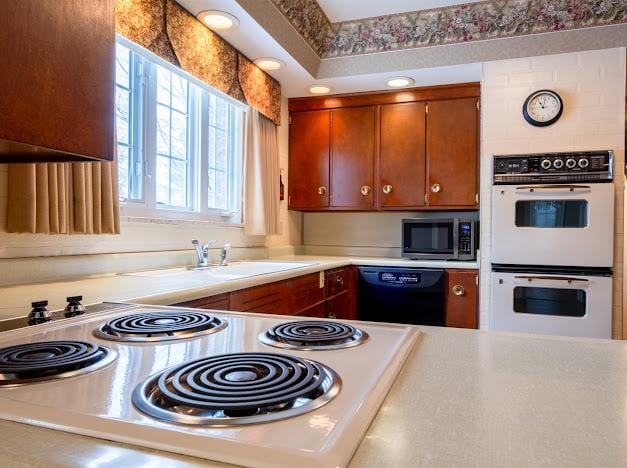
(131, 215)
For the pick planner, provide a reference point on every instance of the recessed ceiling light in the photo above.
(269, 63)
(319, 89)
(217, 19)
(399, 82)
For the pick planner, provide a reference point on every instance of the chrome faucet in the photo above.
(223, 253)
(202, 253)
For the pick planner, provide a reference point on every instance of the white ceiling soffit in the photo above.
(345, 10)
(254, 42)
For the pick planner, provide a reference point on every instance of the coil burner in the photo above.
(49, 360)
(237, 389)
(159, 325)
(311, 335)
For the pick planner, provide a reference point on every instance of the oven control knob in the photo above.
(583, 163)
(571, 163)
(558, 163)
(545, 164)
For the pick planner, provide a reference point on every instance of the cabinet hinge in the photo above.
(289, 120)
(478, 106)
(427, 108)
(477, 280)
(289, 200)
(426, 199)
(477, 198)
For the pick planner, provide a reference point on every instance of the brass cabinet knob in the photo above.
(458, 290)
(365, 190)
(387, 189)
(322, 190)
(435, 188)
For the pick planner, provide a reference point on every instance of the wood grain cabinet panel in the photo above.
(218, 302)
(352, 158)
(304, 292)
(309, 159)
(269, 298)
(318, 311)
(57, 80)
(461, 298)
(452, 149)
(402, 170)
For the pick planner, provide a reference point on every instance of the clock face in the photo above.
(542, 108)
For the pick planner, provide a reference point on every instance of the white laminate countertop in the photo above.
(464, 398)
(15, 300)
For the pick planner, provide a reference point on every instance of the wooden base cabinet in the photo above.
(461, 307)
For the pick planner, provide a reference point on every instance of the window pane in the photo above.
(123, 171)
(163, 180)
(122, 114)
(163, 130)
(221, 149)
(179, 135)
(221, 190)
(163, 86)
(179, 93)
(122, 66)
(178, 183)
(211, 188)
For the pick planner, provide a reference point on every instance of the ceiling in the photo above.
(254, 42)
(345, 10)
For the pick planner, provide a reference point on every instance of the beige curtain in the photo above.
(63, 198)
(261, 176)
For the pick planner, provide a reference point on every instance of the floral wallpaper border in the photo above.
(447, 25)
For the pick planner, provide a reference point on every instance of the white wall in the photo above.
(139, 235)
(592, 86)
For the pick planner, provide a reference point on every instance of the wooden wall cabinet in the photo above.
(452, 149)
(414, 149)
(57, 80)
(461, 307)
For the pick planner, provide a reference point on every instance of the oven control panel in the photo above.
(585, 166)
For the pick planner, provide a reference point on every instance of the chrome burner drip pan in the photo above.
(49, 360)
(237, 389)
(313, 335)
(149, 325)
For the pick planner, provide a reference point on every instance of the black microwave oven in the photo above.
(440, 238)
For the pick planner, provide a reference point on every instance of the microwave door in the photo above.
(560, 225)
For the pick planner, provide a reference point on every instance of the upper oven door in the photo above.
(556, 225)
(430, 238)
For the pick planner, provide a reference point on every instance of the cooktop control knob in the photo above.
(558, 163)
(571, 163)
(583, 163)
(545, 164)
(40, 313)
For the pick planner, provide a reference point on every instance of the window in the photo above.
(179, 141)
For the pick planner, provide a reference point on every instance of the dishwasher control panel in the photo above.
(399, 277)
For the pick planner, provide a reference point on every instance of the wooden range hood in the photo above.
(57, 81)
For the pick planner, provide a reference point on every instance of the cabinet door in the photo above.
(352, 158)
(269, 298)
(218, 302)
(340, 306)
(304, 292)
(57, 80)
(402, 155)
(452, 152)
(309, 160)
(461, 298)
(318, 310)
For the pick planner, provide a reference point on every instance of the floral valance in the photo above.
(168, 30)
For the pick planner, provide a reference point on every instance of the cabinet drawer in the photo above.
(304, 292)
(218, 302)
(269, 298)
(337, 281)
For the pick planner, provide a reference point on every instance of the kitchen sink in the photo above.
(218, 274)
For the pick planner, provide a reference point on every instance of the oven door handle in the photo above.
(568, 279)
(570, 188)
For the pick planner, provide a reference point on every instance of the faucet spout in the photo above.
(202, 252)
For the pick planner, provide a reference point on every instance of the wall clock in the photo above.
(542, 108)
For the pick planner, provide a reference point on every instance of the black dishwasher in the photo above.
(401, 295)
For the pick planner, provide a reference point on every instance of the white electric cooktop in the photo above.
(321, 430)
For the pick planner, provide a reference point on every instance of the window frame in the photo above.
(145, 109)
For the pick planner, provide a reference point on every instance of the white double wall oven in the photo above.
(553, 243)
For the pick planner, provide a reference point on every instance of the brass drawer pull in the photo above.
(322, 190)
(387, 189)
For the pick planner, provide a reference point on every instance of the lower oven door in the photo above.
(560, 225)
(552, 304)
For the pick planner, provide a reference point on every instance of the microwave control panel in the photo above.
(465, 238)
(584, 166)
